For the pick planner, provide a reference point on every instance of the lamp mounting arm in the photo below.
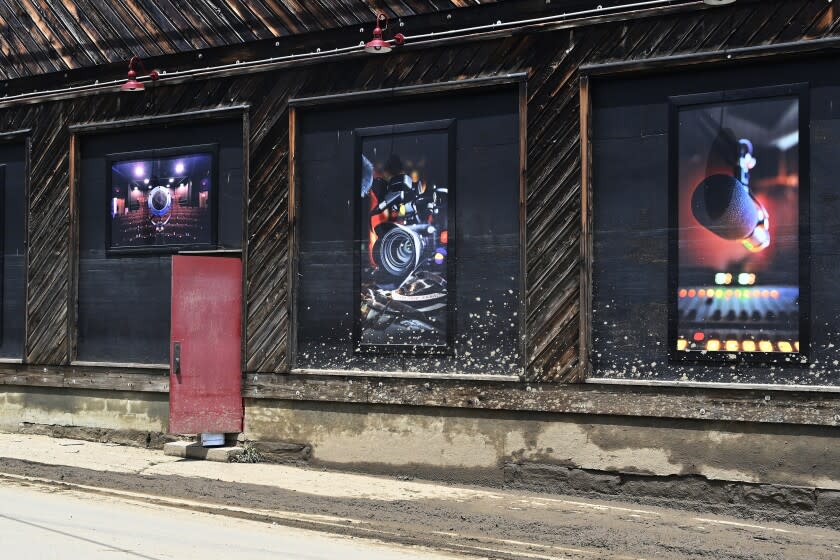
(137, 61)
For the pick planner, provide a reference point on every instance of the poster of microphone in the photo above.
(405, 245)
(738, 183)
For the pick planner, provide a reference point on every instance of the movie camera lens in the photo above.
(399, 251)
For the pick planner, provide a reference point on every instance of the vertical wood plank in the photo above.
(523, 220)
(73, 253)
(246, 165)
(292, 259)
(585, 336)
(48, 274)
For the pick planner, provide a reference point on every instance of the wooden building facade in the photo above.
(583, 360)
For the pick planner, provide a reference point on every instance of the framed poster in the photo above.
(162, 201)
(738, 265)
(404, 272)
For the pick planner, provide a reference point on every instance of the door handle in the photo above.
(176, 359)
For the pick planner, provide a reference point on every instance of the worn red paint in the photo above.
(207, 323)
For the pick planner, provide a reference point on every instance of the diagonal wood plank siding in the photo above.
(553, 177)
(42, 36)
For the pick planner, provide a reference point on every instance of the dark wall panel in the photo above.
(13, 244)
(124, 301)
(630, 157)
(486, 300)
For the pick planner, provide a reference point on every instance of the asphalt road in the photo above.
(43, 524)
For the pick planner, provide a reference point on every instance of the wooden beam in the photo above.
(203, 115)
(733, 405)
(292, 246)
(113, 379)
(246, 182)
(15, 135)
(523, 223)
(416, 89)
(73, 249)
(738, 56)
(585, 312)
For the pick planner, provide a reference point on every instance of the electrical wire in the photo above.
(548, 19)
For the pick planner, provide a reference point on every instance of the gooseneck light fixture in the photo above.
(378, 45)
(133, 84)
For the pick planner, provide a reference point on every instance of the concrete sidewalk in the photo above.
(122, 459)
(465, 520)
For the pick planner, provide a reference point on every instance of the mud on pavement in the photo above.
(495, 524)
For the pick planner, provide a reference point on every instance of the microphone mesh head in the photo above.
(725, 206)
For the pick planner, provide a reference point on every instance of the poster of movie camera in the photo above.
(738, 222)
(405, 245)
(161, 202)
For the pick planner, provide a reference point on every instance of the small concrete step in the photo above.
(193, 450)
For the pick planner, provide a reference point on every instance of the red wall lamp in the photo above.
(378, 45)
(133, 84)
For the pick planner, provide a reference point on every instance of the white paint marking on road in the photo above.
(518, 543)
(599, 554)
(518, 553)
(600, 507)
(743, 525)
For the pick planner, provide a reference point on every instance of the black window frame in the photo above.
(675, 104)
(111, 159)
(443, 125)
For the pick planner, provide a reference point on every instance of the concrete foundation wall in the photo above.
(486, 446)
(110, 410)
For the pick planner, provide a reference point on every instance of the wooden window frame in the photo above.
(675, 63)
(77, 132)
(518, 80)
(13, 137)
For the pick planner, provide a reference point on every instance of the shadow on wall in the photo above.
(110, 410)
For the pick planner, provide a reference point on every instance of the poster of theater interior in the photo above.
(405, 250)
(161, 203)
(738, 228)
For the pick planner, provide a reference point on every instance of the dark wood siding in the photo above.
(551, 59)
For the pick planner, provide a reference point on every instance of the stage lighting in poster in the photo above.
(162, 201)
(738, 199)
(405, 232)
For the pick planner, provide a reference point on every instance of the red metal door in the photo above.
(205, 379)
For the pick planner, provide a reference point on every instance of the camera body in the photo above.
(415, 236)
